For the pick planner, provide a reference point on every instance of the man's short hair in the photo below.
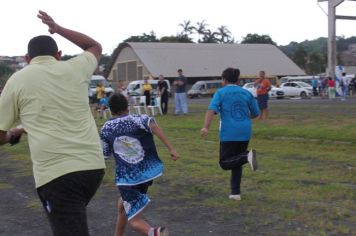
(180, 70)
(231, 74)
(42, 45)
(118, 103)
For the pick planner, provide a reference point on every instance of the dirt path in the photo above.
(21, 213)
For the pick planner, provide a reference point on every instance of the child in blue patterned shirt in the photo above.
(129, 138)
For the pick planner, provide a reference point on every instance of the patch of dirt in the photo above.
(21, 212)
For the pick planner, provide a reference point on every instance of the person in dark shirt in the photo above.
(163, 93)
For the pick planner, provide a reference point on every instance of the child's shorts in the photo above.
(135, 198)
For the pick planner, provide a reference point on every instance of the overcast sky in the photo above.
(112, 21)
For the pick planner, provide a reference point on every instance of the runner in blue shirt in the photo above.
(236, 107)
(129, 138)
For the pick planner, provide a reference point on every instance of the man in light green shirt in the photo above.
(49, 97)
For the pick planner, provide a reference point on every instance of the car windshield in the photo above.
(131, 87)
(93, 83)
(303, 84)
(196, 86)
(249, 85)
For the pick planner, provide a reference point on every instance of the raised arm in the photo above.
(81, 40)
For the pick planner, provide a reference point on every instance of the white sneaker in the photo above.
(235, 197)
(252, 159)
(161, 231)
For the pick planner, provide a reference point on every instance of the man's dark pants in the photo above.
(65, 199)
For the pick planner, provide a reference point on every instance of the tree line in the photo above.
(310, 56)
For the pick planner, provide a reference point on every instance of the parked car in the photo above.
(297, 89)
(204, 88)
(305, 78)
(273, 93)
(98, 79)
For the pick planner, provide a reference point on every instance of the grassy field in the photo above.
(305, 185)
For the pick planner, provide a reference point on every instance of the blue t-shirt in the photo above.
(104, 101)
(235, 105)
(129, 139)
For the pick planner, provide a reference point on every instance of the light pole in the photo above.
(332, 4)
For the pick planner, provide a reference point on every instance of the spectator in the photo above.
(147, 88)
(180, 94)
(163, 92)
(263, 86)
(121, 88)
(315, 86)
(100, 91)
(331, 87)
(344, 85)
(103, 105)
(50, 98)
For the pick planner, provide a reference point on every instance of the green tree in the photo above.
(316, 63)
(300, 57)
(151, 37)
(224, 35)
(5, 73)
(176, 39)
(255, 38)
(187, 28)
(200, 29)
(5, 70)
(67, 57)
(210, 37)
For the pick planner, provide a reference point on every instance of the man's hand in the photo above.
(204, 132)
(12, 136)
(15, 136)
(46, 19)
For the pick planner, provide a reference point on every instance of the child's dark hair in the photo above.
(118, 103)
(231, 74)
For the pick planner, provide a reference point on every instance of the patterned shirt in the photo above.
(129, 139)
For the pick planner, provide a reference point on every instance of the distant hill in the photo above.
(318, 45)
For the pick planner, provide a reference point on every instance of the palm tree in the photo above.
(210, 37)
(187, 28)
(225, 34)
(200, 29)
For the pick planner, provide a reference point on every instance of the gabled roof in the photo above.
(207, 59)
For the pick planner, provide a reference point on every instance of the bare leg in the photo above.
(121, 219)
(140, 225)
(265, 114)
(93, 110)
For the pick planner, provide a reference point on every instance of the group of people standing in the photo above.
(162, 92)
(180, 83)
(328, 87)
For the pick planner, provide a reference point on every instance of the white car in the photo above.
(297, 89)
(273, 93)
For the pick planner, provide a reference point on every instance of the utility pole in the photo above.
(332, 4)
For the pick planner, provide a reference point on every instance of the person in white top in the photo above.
(344, 85)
